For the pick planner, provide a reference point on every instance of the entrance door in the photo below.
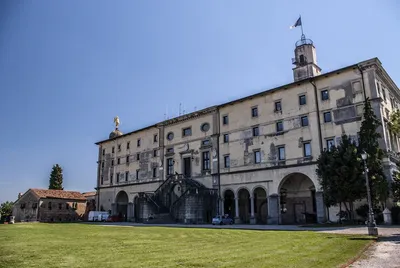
(299, 210)
(187, 171)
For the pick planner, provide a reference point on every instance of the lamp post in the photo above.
(372, 229)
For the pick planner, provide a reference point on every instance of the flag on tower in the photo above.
(298, 23)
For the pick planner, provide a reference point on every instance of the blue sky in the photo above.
(68, 67)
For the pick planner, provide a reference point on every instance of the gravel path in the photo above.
(383, 254)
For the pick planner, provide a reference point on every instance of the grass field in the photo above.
(82, 245)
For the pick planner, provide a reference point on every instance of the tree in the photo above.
(369, 143)
(6, 209)
(56, 178)
(395, 186)
(394, 122)
(339, 171)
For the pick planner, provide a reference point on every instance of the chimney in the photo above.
(19, 195)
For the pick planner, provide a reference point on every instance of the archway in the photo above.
(297, 200)
(244, 205)
(260, 205)
(122, 205)
(229, 203)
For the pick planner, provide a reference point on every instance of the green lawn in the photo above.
(82, 245)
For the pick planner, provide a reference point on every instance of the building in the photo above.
(49, 206)
(256, 155)
(90, 203)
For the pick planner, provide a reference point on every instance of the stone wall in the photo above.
(60, 210)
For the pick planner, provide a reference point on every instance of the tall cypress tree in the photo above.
(369, 143)
(56, 178)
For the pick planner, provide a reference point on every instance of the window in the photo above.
(137, 173)
(170, 150)
(225, 120)
(304, 121)
(226, 138)
(187, 132)
(119, 161)
(66, 206)
(35, 205)
(154, 153)
(59, 205)
(206, 160)
(256, 131)
(117, 177)
(329, 144)
(138, 143)
(301, 58)
(302, 100)
(137, 156)
(155, 138)
(257, 157)
(119, 147)
(113, 150)
(227, 161)
(205, 142)
(126, 175)
(127, 159)
(205, 127)
(111, 178)
(128, 144)
(254, 112)
(104, 151)
(278, 106)
(49, 206)
(281, 153)
(101, 180)
(324, 95)
(154, 172)
(112, 162)
(279, 126)
(102, 165)
(170, 166)
(307, 149)
(170, 136)
(327, 117)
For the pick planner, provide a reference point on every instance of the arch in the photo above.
(228, 190)
(297, 199)
(229, 202)
(260, 204)
(122, 205)
(243, 195)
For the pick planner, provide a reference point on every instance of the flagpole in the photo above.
(302, 33)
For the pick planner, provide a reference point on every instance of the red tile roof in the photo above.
(89, 194)
(60, 194)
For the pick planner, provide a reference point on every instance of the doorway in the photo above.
(299, 210)
(187, 169)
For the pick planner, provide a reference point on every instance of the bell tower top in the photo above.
(305, 57)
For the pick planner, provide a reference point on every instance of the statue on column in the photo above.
(116, 122)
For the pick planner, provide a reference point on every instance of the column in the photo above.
(130, 215)
(237, 220)
(273, 212)
(222, 208)
(321, 213)
(113, 209)
(252, 218)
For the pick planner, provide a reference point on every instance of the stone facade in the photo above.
(45, 206)
(258, 152)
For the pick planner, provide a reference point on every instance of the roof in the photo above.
(268, 91)
(59, 194)
(89, 194)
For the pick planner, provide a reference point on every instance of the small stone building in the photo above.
(49, 206)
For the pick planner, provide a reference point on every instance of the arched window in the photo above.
(302, 59)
